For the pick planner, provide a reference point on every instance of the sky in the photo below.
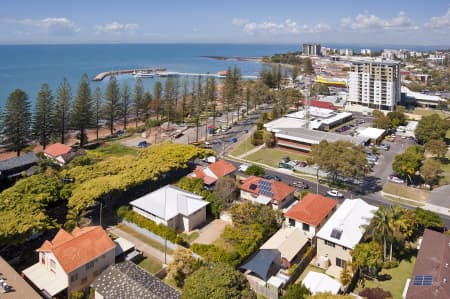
(396, 22)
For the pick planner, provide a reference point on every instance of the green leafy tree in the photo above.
(44, 116)
(430, 171)
(379, 226)
(408, 163)
(436, 147)
(183, 264)
(428, 219)
(17, 121)
(431, 127)
(296, 291)
(269, 139)
(380, 120)
(82, 114)
(219, 281)
(346, 275)
(63, 107)
(397, 118)
(368, 257)
(255, 170)
(111, 106)
(138, 100)
(125, 106)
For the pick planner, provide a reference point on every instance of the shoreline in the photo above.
(233, 58)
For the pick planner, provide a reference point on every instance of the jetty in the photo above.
(103, 75)
(163, 73)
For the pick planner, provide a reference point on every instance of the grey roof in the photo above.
(314, 136)
(261, 263)
(127, 280)
(16, 162)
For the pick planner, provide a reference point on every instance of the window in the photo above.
(84, 279)
(89, 265)
(74, 277)
(340, 262)
(291, 222)
(306, 227)
(331, 244)
(52, 266)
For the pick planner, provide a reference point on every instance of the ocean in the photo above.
(28, 66)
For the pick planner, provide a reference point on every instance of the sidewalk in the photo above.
(144, 247)
(426, 206)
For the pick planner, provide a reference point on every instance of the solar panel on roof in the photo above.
(252, 187)
(423, 280)
(336, 233)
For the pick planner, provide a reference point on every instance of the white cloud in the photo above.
(270, 27)
(51, 25)
(370, 22)
(441, 22)
(116, 28)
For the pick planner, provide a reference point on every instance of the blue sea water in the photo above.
(28, 66)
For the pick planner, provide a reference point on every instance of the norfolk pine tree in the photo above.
(126, 104)
(81, 114)
(44, 116)
(138, 100)
(97, 108)
(63, 106)
(111, 106)
(17, 121)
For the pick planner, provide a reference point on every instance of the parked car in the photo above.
(303, 164)
(300, 184)
(384, 146)
(207, 144)
(273, 178)
(234, 140)
(243, 167)
(335, 193)
(143, 144)
(395, 179)
(119, 133)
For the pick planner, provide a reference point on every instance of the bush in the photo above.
(260, 125)
(258, 138)
(390, 264)
(150, 123)
(123, 211)
(375, 293)
(81, 161)
(255, 170)
(212, 253)
(130, 130)
(141, 221)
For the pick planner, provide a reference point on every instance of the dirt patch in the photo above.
(211, 232)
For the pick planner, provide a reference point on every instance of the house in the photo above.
(211, 173)
(265, 191)
(321, 283)
(431, 273)
(71, 261)
(341, 233)
(129, 281)
(290, 242)
(61, 153)
(310, 213)
(12, 285)
(14, 167)
(174, 207)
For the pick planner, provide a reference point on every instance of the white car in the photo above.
(335, 193)
(243, 167)
(396, 180)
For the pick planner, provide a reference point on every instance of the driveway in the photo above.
(440, 196)
(211, 232)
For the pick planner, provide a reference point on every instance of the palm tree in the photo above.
(380, 225)
(396, 225)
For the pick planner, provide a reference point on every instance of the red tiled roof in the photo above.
(57, 149)
(279, 189)
(80, 247)
(222, 168)
(312, 209)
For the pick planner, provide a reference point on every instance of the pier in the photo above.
(162, 73)
(103, 75)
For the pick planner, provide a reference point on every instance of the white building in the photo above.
(342, 232)
(346, 52)
(172, 206)
(311, 49)
(375, 84)
(366, 52)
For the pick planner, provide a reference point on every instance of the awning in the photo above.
(262, 263)
(261, 200)
(45, 280)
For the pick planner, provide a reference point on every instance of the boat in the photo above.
(142, 75)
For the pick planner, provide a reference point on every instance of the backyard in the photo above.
(271, 156)
(150, 264)
(393, 279)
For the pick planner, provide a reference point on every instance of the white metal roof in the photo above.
(370, 133)
(261, 200)
(285, 122)
(314, 137)
(420, 96)
(46, 280)
(169, 201)
(123, 245)
(337, 117)
(318, 283)
(349, 219)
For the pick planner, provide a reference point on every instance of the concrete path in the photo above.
(251, 151)
(144, 247)
(440, 196)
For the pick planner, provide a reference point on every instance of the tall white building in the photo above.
(375, 84)
(311, 49)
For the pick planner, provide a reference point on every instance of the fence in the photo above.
(151, 235)
(302, 265)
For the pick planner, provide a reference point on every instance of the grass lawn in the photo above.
(112, 149)
(426, 112)
(445, 176)
(396, 278)
(143, 238)
(405, 191)
(271, 156)
(190, 237)
(243, 147)
(310, 267)
(150, 264)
